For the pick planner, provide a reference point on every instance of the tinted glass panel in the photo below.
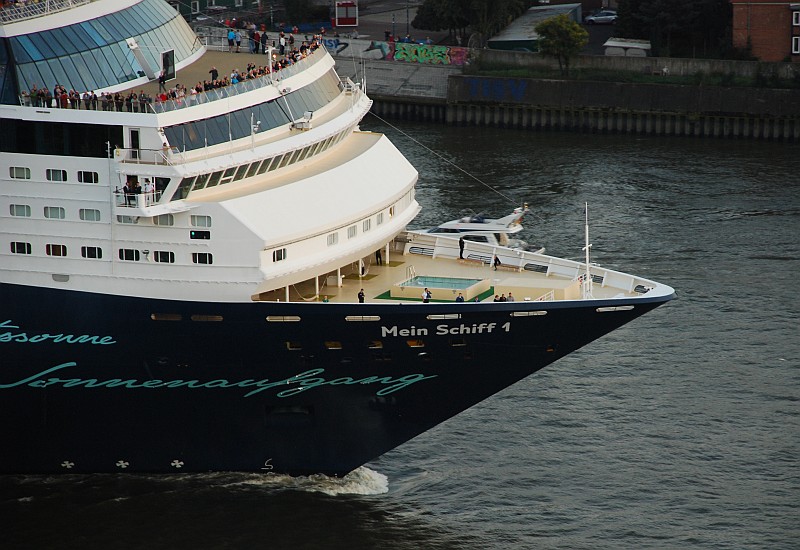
(24, 50)
(40, 39)
(92, 33)
(57, 40)
(78, 37)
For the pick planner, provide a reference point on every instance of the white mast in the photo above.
(587, 278)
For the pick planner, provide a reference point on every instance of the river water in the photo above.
(680, 430)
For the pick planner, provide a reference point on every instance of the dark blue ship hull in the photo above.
(98, 383)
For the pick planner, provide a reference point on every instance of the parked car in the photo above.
(602, 17)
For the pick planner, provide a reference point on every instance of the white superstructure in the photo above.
(281, 203)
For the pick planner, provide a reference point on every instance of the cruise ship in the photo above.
(220, 277)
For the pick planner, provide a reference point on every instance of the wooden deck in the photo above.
(378, 280)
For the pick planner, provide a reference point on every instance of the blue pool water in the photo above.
(454, 283)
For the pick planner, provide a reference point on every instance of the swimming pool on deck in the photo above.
(441, 288)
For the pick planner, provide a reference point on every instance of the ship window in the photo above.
(241, 172)
(229, 172)
(214, 179)
(54, 212)
(164, 256)
(197, 234)
(207, 318)
(264, 166)
(198, 184)
(333, 344)
(333, 238)
(275, 162)
(294, 346)
(92, 252)
(88, 177)
(19, 173)
(304, 153)
(613, 308)
(56, 175)
(444, 316)
(20, 248)
(202, 258)
(352, 231)
(60, 277)
(89, 214)
(56, 250)
(527, 313)
(362, 318)
(166, 317)
(285, 160)
(283, 318)
(22, 210)
(164, 219)
(183, 188)
(458, 342)
(128, 219)
(379, 218)
(391, 211)
(128, 254)
(375, 344)
(367, 225)
(279, 255)
(252, 170)
(200, 221)
(415, 343)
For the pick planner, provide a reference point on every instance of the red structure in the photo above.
(345, 14)
(771, 28)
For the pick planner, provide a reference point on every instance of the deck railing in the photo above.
(28, 9)
(271, 79)
(165, 155)
(157, 106)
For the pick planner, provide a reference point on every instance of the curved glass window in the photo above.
(93, 55)
(275, 113)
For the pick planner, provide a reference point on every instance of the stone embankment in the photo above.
(426, 82)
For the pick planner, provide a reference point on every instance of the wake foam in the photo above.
(361, 481)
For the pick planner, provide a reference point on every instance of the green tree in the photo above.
(488, 17)
(437, 15)
(485, 17)
(562, 38)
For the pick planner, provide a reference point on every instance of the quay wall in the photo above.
(443, 94)
(676, 66)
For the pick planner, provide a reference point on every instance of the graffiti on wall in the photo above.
(408, 52)
(334, 45)
(430, 54)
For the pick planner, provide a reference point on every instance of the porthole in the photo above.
(283, 318)
(206, 318)
(166, 316)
